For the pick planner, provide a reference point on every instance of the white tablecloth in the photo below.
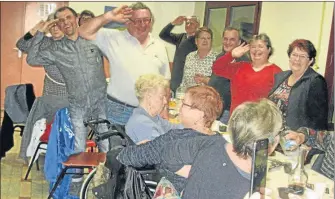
(278, 178)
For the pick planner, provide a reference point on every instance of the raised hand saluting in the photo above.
(37, 27)
(120, 14)
(178, 21)
(47, 25)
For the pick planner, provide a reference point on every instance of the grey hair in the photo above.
(149, 82)
(51, 17)
(140, 6)
(252, 121)
(230, 28)
(197, 19)
(266, 39)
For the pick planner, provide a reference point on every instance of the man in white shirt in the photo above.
(131, 53)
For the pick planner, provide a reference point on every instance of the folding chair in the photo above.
(83, 160)
(42, 145)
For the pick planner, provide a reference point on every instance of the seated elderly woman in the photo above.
(249, 81)
(200, 107)
(145, 122)
(198, 64)
(219, 169)
(301, 93)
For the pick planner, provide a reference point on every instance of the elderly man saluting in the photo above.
(184, 42)
(131, 53)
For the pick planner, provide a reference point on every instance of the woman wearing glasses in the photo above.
(198, 64)
(211, 167)
(55, 95)
(200, 107)
(301, 93)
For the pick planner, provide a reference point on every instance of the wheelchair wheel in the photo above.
(86, 188)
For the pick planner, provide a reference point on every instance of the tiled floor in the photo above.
(13, 169)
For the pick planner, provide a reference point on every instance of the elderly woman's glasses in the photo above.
(139, 21)
(184, 104)
(295, 56)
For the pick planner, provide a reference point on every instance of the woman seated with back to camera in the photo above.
(200, 107)
(145, 122)
(218, 169)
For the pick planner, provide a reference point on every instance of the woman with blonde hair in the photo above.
(199, 109)
(145, 123)
(218, 169)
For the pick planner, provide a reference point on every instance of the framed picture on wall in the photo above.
(113, 25)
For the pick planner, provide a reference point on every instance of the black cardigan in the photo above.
(307, 102)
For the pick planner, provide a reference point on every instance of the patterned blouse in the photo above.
(280, 97)
(195, 65)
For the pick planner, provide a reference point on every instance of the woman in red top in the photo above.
(249, 81)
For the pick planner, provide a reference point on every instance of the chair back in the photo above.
(18, 101)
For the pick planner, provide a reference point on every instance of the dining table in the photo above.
(277, 178)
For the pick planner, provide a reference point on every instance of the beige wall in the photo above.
(199, 10)
(286, 21)
(164, 13)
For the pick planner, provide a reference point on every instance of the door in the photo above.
(17, 18)
(242, 15)
(10, 62)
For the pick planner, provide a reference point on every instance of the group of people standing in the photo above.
(217, 84)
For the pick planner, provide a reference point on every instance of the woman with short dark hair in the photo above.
(301, 93)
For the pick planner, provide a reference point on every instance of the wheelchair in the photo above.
(117, 139)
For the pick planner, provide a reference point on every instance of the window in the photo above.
(242, 15)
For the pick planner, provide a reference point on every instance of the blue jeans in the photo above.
(225, 117)
(118, 113)
(78, 115)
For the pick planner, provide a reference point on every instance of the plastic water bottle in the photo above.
(180, 92)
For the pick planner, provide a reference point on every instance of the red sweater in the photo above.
(246, 84)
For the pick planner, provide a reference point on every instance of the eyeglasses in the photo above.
(184, 104)
(140, 21)
(294, 55)
(204, 38)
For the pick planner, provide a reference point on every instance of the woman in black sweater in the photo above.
(214, 168)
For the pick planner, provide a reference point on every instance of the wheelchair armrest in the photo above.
(90, 123)
(147, 170)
